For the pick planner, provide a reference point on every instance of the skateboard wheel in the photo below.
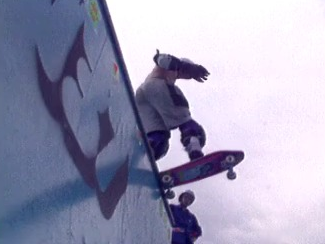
(231, 175)
(170, 194)
(167, 180)
(230, 159)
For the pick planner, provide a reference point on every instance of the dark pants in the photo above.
(159, 140)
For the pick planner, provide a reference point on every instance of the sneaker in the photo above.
(195, 155)
(194, 149)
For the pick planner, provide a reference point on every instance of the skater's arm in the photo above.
(196, 229)
(193, 71)
(185, 68)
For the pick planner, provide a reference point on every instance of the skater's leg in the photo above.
(193, 138)
(159, 144)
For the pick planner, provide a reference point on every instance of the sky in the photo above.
(265, 96)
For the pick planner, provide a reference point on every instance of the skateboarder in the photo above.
(186, 229)
(163, 107)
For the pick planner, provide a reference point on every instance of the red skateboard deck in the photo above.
(202, 168)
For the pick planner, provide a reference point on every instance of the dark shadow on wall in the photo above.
(51, 91)
(52, 201)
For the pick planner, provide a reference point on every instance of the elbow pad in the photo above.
(167, 61)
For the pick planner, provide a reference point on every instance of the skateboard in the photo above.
(209, 165)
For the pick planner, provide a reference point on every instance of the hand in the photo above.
(178, 229)
(193, 236)
(199, 73)
(193, 71)
(193, 239)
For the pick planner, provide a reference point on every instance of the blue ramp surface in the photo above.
(74, 167)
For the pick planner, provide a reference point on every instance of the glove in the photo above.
(193, 71)
(200, 73)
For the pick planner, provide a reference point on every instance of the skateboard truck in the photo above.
(170, 194)
(168, 182)
(228, 164)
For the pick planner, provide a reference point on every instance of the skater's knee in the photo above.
(190, 129)
(159, 144)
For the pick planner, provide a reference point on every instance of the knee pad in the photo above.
(159, 144)
(189, 129)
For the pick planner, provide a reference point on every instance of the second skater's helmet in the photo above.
(187, 192)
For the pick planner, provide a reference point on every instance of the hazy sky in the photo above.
(265, 95)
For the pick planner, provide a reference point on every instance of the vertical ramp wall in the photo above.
(73, 167)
